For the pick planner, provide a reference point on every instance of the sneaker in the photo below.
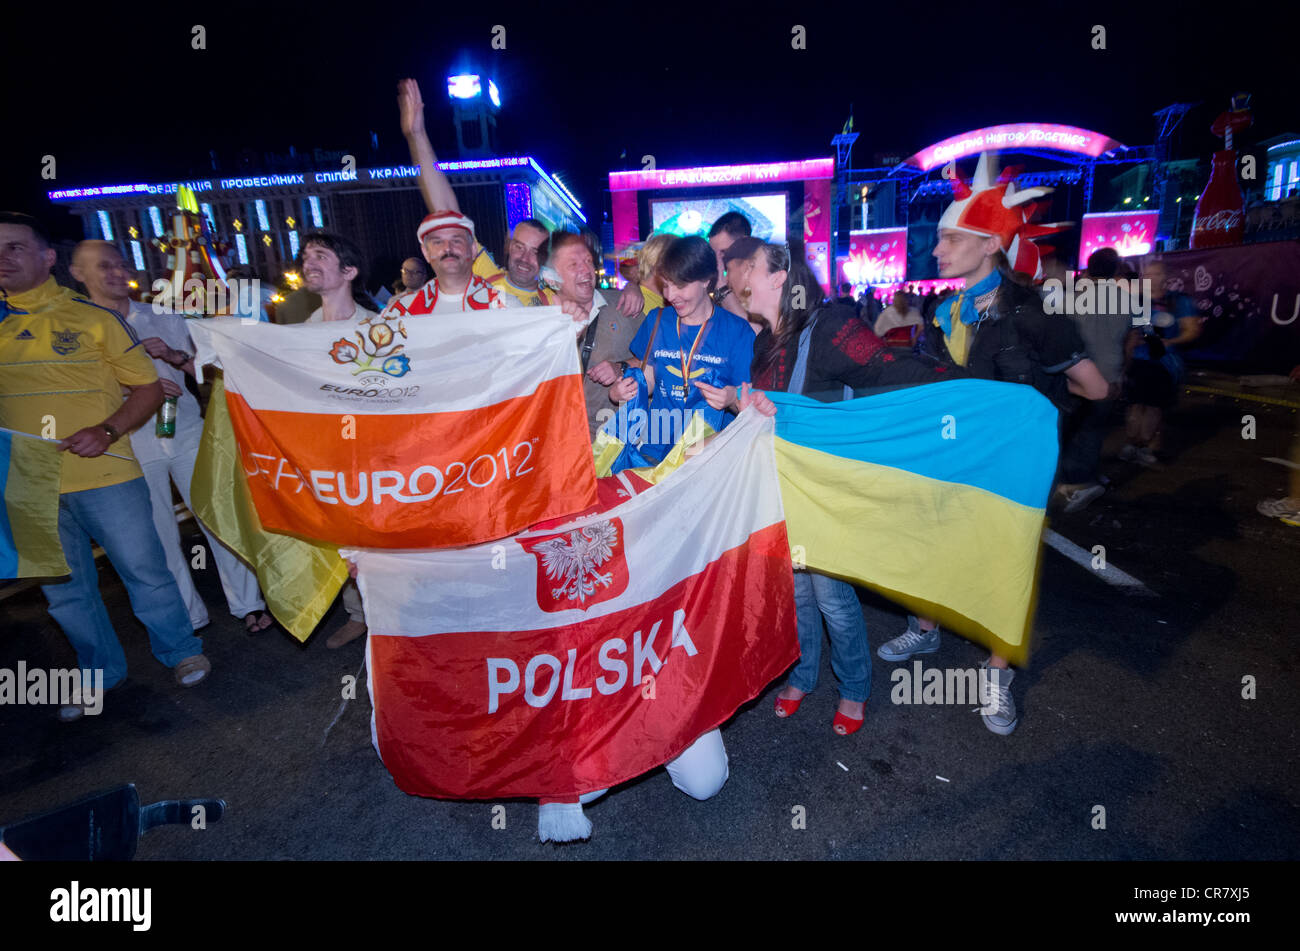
(914, 641)
(1081, 497)
(1139, 454)
(1003, 719)
(348, 633)
(1287, 509)
(71, 712)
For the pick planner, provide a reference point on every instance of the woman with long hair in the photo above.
(824, 351)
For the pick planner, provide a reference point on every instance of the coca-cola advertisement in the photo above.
(1220, 214)
(1249, 298)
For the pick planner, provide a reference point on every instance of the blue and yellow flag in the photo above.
(29, 519)
(933, 496)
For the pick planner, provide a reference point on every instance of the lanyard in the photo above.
(688, 359)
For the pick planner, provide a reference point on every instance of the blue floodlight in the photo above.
(494, 94)
(464, 86)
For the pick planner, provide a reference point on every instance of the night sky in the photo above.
(119, 95)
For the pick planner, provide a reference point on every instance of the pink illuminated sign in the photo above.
(1020, 135)
(1130, 233)
(721, 175)
(877, 256)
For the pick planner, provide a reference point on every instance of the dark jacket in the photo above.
(1016, 343)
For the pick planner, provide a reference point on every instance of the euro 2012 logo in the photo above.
(376, 349)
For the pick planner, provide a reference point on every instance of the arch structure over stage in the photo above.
(1020, 136)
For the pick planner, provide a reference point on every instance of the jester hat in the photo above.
(987, 206)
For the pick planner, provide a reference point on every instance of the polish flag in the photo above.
(580, 654)
(419, 432)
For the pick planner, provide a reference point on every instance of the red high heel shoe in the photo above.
(849, 724)
(786, 708)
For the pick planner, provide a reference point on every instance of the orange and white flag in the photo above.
(421, 432)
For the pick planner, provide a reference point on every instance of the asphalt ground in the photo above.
(1133, 702)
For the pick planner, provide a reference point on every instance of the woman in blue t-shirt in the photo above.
(694, 356)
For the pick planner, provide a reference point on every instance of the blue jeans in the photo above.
(120, 519)
(815, 596)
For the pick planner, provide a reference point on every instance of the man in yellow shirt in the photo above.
(525, 255)
(64, 363)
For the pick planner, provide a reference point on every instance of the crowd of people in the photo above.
(704, 326)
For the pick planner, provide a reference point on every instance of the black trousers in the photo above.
(1083, 433)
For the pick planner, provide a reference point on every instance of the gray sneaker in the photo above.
(914, 641)
(1004, 719)
(1080, 498)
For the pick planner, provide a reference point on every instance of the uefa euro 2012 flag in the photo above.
(29, 518)
(420, 432)
(582, 653)
(932, 495)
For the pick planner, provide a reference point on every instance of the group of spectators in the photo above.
(704, 326)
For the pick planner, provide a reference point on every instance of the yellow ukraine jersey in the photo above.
(63, 363)
(495, 275)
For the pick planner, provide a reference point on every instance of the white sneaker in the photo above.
(1288, 509)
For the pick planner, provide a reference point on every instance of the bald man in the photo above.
(51, 334)
(165, 337)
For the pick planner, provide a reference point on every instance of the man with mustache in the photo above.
(526, 251)
(447, 240)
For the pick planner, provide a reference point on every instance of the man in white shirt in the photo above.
(165, 460)
(331, 264)
(900, 313)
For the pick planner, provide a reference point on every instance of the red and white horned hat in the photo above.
(990, 207)
(444, 219)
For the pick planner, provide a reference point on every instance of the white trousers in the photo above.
(237, 580)
(700, 772)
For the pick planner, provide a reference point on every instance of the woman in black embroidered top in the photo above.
(843, 351)
(841, 354)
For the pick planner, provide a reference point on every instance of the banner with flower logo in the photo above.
(419, 432)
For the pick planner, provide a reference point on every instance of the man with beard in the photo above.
(331, 266)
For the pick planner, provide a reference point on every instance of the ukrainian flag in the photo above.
(933, 496)
(29, 519)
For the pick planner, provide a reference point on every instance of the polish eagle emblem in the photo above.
(581, 567)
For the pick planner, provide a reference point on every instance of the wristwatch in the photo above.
(113, 434)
